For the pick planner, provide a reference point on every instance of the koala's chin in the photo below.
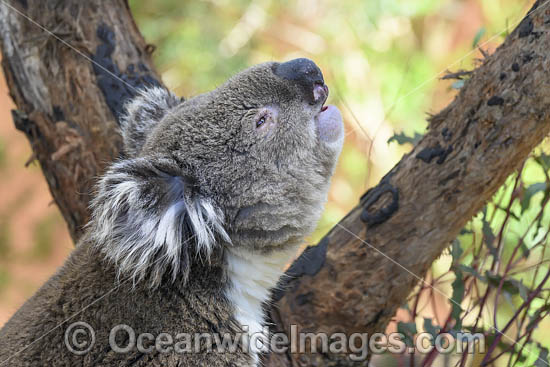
(193, 227)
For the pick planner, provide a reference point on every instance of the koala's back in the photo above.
(85, 288)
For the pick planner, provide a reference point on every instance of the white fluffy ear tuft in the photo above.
(149, 221)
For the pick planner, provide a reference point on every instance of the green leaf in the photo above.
(472, 271)
(521, 356)
(529, 193)
(401, 138)
(489, 237)
(456, 250)
(456, 299)
(544, 160)
(408, 329)
(510, 286)
(478, 37)
(524, 250)
(434, 330)
(523, 290)
(542, 360)
(534, 318)
(503, 344)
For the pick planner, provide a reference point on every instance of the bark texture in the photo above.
(66, 105)
(363, 270)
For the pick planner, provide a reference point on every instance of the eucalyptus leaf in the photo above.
(407, 329)
(489, 237)
(456, 299)
(456, 250)
(530, 192)
(472, 271)
(478, 36)
(544, 160)
(510, 286)
(429, 327)
(542, 360)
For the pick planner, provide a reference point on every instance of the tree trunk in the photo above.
(367, 265)
(66, 105)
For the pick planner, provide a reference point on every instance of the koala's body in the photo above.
(191, 229)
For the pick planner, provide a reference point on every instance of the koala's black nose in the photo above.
(305, 73)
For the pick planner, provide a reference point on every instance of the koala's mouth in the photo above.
(328, 120)
(330, 126)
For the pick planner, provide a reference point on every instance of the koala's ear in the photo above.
(148, 219)
(142, 113)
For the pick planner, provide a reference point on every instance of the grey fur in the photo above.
(201, 178)
(142, 113)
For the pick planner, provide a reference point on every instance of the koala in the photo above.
(191, 228)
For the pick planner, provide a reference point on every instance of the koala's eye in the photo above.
(266, 119)
(261, 121)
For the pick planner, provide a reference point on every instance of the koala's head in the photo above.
(250, 160)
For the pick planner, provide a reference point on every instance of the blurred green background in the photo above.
(382, 59)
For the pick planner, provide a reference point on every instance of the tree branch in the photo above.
(367, 265)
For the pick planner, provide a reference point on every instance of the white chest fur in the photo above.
(252, 276)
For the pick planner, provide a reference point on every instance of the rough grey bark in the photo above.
(348, 283)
